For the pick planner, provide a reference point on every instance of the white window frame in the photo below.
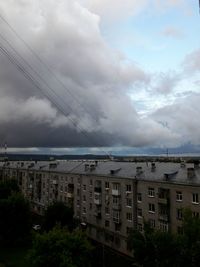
(129, 216)
(151, 192)
(179, 196)
(129, 188)
(195, 198)
(139, 197)
(152, 208)
(179, 214)
(129, 202)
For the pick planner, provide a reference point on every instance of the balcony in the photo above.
(97, 189)
(69, 195)
(97, 201)
(164, 201)
(116, 206)
(97, 198)
(115, 192)
(97, 214)
(55, 182)
(163, 196)
(163, 217)
(116, 220)
(71, 188)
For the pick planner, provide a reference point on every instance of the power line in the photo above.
(43, 63)
(34, 81)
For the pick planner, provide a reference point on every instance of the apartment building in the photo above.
(110, 198)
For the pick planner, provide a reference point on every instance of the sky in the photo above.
(103, 74)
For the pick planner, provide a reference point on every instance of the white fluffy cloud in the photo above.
(191, 63)
(115, 9)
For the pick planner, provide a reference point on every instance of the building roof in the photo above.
(184, 173)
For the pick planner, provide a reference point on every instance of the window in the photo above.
(116, 214)
(84, 210)
(79, 180)
(129, 202)
(139, 197)
(90, 194)
(84, 198)
(139, 212)
(195, 198)
(107, 223)
(151, 192)
(163, 226)
(128, 188)
(115, 200)
(152, 223)
(140, 227)
(107, 186)
(129, 216)
(91, 182)
(78, 192)
(90, 206)
(179, 214)
(151, 207)
(84, 187)
(116, 186)
(179, 196)
(107, 210)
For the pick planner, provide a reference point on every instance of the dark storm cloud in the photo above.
(93, 107)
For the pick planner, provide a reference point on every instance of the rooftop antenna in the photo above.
(110, 156)
(5, 148)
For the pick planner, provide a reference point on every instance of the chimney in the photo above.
(92, 167)
(196, 164)
(86, 167)
(153, 166)
(182, 164)
(138, 170)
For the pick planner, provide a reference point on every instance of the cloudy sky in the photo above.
(99, 73)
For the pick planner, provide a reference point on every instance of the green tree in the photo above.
(60, 248)
(58, 213)
(190, 240)
(142, 246)
(154, 248)
(7, 188)
(15, 219)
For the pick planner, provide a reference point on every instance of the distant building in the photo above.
(111, 198)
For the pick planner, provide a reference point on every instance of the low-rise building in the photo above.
(111, 198)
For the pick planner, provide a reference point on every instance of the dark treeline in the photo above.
(163, 249)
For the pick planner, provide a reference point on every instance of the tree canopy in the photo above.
(7, 188)
(15, 215)
(58, 213)
(156, 248)
(60, 248)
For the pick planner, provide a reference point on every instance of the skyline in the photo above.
(121, 75)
